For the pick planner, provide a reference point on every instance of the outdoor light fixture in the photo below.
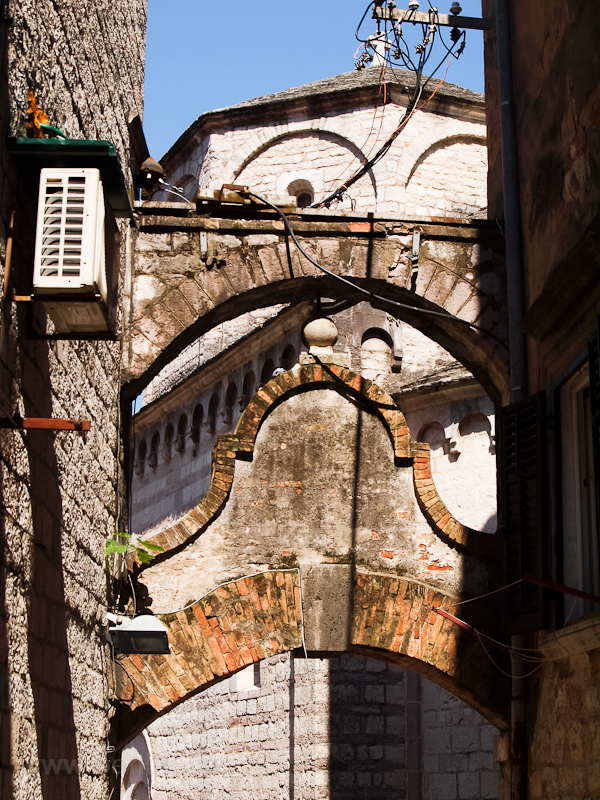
(144, 635)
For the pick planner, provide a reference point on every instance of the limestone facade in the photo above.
(59, 490)
(321, 728)
(312, 138)
(348, 726)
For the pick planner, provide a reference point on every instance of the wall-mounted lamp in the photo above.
(144, 634)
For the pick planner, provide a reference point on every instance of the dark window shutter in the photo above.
(524, 508)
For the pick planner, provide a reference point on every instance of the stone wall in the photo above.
(276, 144)
(565, 743)
(84, 62)
(167, 485)
(339, 728)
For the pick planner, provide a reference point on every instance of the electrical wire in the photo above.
(364, 144)
(424, 51)
(366, 292)
(488, 594)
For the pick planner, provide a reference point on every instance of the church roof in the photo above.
(356, 87)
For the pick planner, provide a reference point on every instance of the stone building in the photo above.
(543, 184)
(346, 726)
(84, 67)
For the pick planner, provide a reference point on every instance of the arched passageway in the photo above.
(193, 274)
(322, 528)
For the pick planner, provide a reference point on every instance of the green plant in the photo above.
(144, 550)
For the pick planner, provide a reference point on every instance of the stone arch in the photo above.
(264, 137)
(390, 616)
(248, 156)
(484, 357)
(429, 143)
(444, 165)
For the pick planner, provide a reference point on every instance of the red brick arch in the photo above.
(251, 618)
(230, 447)
(248, 619)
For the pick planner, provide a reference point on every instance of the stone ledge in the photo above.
(577, 638)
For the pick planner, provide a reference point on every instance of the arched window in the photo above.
(167, 443)
(135, 782)
(288, 357)
(376, 352)
(434, 435)
(230, 398)
(181, 433)
(248, 388)
(303, 191)
(267, 371)
(141, 459)
(197, 420)
(476, 433)
(153, 456)
(213, 408)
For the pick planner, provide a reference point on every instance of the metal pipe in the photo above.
(518, 347)
(512, 203)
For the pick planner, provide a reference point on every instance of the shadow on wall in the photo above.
(369, 741)
(6, 779)
(48, 649)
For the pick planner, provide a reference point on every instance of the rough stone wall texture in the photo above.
(558, 132)
(558, 180)
(335, 728)
(176, 294)
(84, 62)
(565, 746)
(457, 749)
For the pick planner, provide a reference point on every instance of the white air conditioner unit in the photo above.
(70, 250)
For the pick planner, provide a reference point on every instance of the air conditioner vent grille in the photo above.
(62, 227)
(70, 233)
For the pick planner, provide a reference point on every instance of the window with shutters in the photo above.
(580, 556)
(524, 509)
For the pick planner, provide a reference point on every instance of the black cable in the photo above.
(360, 289)
(424, 55)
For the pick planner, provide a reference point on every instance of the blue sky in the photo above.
(206, 54)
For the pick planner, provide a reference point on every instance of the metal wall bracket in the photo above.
(45, 423)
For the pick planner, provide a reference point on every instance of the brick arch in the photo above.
(251, 618)
(230, 447)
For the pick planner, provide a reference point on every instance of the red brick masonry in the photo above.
(314, 376)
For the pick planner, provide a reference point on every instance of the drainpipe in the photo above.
(518, 348)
